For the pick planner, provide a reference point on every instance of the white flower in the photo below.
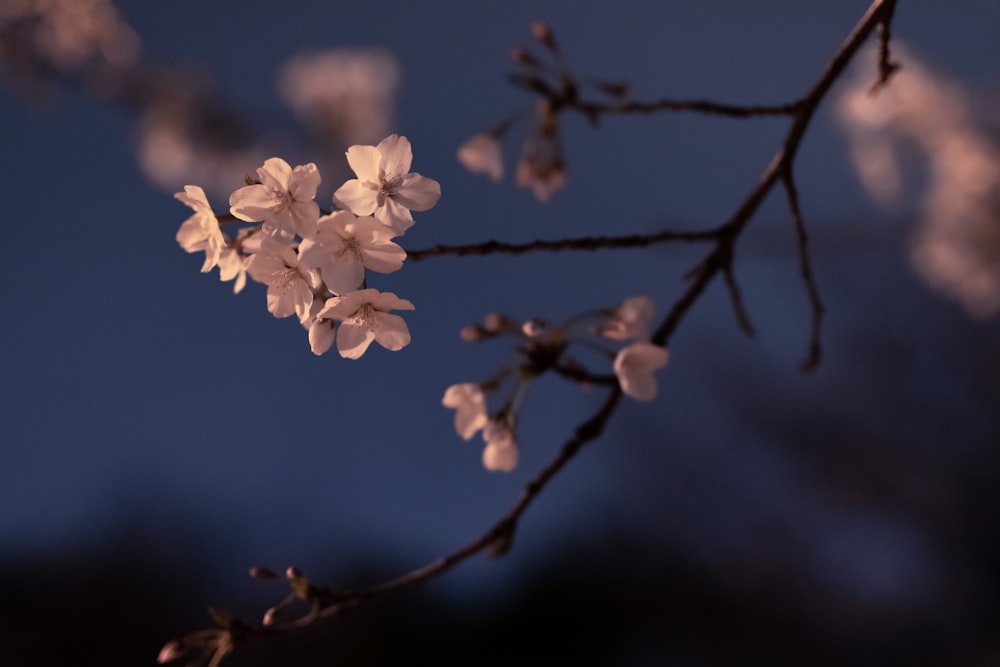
(345, 245)
(365, 317)
(482, 154)
(631, 320)
(501, 447)
(384, 185)
(201, 231)
(283, 199)
(634, 366)
(470, 408)
(290, 285)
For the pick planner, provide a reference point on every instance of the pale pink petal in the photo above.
(357, 197)
(343, 274)
(482, 154)
(397, 155)
(321, 336)
(384, 258)
(387, 300)
(365, 161)
(252, 203)
(391, 331)
(344, 307)
(353, 339)
(395, 216)
(418, 193)
(303, 182)
(634, 366)
(275, 173)
(500, 456)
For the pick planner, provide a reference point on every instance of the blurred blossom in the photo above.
(956, 246)
(541, 166)
(68, 34)
(346, 96)
(179, 141)
(482, 154)
(635, 366)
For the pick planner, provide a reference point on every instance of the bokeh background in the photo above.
(159, 435)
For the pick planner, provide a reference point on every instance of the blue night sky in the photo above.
(143, 398)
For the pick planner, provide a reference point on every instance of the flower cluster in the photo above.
(314, 262)
(543, 347)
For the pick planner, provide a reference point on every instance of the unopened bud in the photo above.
(520, 56)
(269, 617)
(533, 328)
(293, 573)
(472, 333)
(262, 574)
(171, 651)
(542, 32)
(494, 323)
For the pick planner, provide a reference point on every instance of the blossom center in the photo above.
(284, 281)
(285, 201)
(351, 246)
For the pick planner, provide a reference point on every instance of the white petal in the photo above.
(356, 197)
(397, 155)
(418, 193)
(252, 203)
(275, 173)
(391, 331)
(500, 457)
(365, 160)
(482, 154)
(303, 182)
(353, 339)
(321, 336)
(395, 216)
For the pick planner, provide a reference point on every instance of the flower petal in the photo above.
(397, 155)
(418, 193)
(391, 331)
(365, 161)
(353, 339)
(356, 197)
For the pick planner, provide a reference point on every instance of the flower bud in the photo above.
(542, 32)
(472, 333)
(171, 651)
(262, 574)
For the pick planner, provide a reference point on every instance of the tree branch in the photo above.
(498, 538)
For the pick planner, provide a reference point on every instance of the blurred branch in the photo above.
(323, 604)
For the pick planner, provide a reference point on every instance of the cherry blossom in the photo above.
(283, 200)
(631, 320)
(344, 245)
(385, 186)
(541, 166)
(365, 317)
(201, 231)
(482, 154)
(290, 284)
(470, 408)
(501, 446)
(634, 367)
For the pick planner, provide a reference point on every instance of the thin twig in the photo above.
(739, 309)
(583, 243)
(805, 266)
